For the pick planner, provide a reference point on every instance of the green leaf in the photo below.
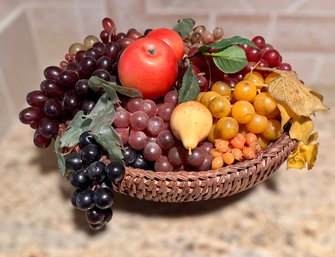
(226, 42)
(184, 27)
(60, 157)
(230, 60)
(111, 88)
(75, 129)
(190, 86)
(110, 141)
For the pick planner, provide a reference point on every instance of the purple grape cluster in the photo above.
(65, 89)
(143, 126)
(92, 178)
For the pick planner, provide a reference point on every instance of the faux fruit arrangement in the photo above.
(166, 100)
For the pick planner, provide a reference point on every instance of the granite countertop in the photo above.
(292, 214)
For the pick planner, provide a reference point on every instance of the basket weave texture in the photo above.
(188, 186)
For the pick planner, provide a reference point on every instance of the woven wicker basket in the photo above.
(187, 186)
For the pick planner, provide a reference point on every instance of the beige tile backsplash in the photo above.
(37, 33)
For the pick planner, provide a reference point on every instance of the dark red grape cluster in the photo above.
(92, 179)
(65, 89)
(265, 55)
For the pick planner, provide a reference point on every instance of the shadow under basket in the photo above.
(188, 186)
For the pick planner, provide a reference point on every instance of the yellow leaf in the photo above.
(301, 128)
(312, 138)
(289, 89)
(285, 112)
(296, 161)
(310, 152)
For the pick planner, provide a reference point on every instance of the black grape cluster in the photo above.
(92, 179)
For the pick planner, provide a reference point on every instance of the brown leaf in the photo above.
(289, 89)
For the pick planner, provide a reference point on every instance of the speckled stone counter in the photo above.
(292, 214)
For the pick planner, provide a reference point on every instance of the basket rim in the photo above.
(225, 170)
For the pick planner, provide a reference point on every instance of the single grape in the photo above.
(221, 88)
(133, 104)
(73, 161)
(272, 57)
(207, 162)
(137, 139)
(95, 216)
(96, 227)
(133, 34)
(264, 103)
(152, 151)
(85, 200)
(90, 40)
(177, 156)
(79, 179)
(40, 140)
(109, 25)
(219, 106)
(196, 158)
(103, 74)
(86, 67)
(79, 55)
(285, 66)
(139, 120)
(155, 126)
(87, 106)
(81, 88)
(91, 153)
(207, 37)
(71, 102)
(245, 90)
(242, 111)
(253, 54)
(51, 72)
(165, 139)
(105, 63)
(148, 106)
(67, 78)
(36, 98)
(273, 131)
(125, 42)
(196, 38)
(52, 108)
(227, 127)
(85, 139)
(257, 124)
(94, 53)
(129, 155)
(140, 163)
(103, 197)
(122, 117)
(163, 164)
(30, 115)
(218, 33)
(99, 45)
(259, 41)
(172, 96)
(112, 50)
(254, 77)
(206, 146)
(115, 171)
(104, 36)
(52, 89)
(165, 110)
(49, 127)
(96, 171)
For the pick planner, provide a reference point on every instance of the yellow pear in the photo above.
(191, 123)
